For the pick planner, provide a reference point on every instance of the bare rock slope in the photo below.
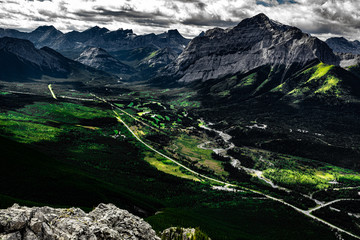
(254, 42)
(99, 59)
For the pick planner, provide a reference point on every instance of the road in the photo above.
(226, 184)
(52, 92)
(329, 203)
(169, 158)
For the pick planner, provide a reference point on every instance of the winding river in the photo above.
(233, 161)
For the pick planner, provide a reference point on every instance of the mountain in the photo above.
(99, 59)
(157, 59)
(20, 60)
(254, 42)
(265, 72)
(120, 39)
(342, 45)
(44, 35)
(173, 40)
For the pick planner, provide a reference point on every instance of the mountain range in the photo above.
(98, 37)
(281, 53)
(254, 42)
(342, 45)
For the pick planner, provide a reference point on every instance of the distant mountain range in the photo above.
(342, 45)
(98, 37)
(126, 52)
(348, 51)
(256, 44)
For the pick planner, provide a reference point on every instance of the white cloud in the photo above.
(322, 18)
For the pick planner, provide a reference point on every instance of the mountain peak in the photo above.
(97, 29)
(201, 34)
(263, 21)
(261, 17)
(45, 28)
(254, 42)
(173, 32)
(342, 39)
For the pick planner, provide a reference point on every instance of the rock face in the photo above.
(254, 42)
(177, 233)
(100, 59)
(105, 222)
(158, 59)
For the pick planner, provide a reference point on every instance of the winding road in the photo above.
(228, 185)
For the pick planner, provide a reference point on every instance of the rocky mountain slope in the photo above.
(20, 60)
(105, 222)
(254, 42)
(156, 60)
(99, 59)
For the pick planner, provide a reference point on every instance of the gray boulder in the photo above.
(106, 221)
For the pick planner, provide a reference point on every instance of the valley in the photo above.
(172, 138)
(255, 137)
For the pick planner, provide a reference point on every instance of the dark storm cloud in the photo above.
(239, 13)
(198, 3)
(51, 14)
(156, 18)
(338, 16)
(271, 3)
(213, 20)
(127, 13)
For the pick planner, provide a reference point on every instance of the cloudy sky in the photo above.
(322, 18)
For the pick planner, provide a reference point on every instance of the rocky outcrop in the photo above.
(106, 221)
(254, 42)
(178, 233)
(348, 59)
(99, 59)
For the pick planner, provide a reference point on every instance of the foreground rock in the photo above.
(106, 221)
(177, 233)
